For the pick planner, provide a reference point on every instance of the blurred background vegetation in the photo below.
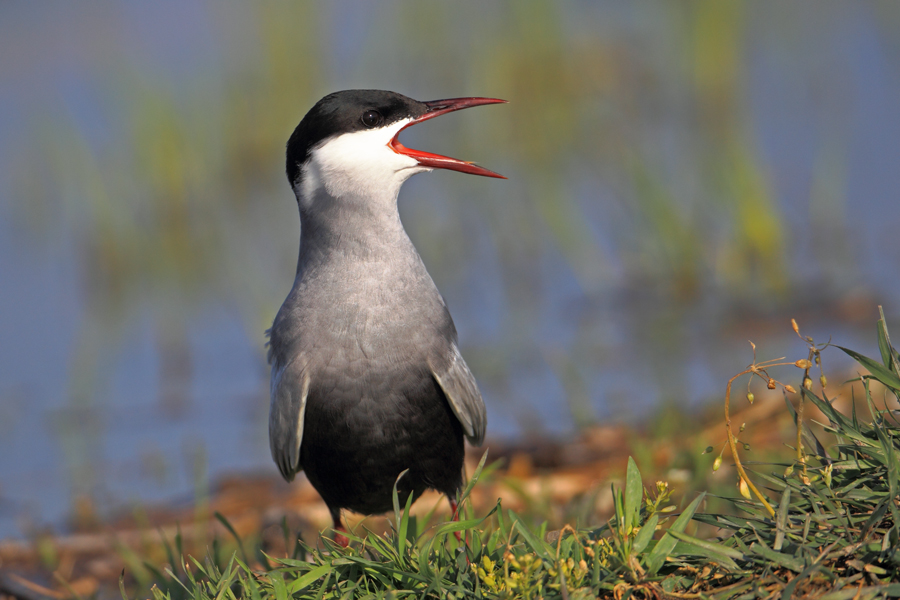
(682, 177)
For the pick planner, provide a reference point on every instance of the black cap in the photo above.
(346, 112)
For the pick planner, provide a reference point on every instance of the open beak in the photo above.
(437, 108)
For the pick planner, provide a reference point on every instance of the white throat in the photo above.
(358, 165)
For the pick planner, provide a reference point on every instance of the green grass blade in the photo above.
(291, 562)
(396, 498)
(454, 526)
(781, 519)
(403, 527)
(874, 518)
(474, 479)
(372, 567)
(878, 371)
(619, 507)
(665, 545)
(122, 585)
(790, 407)
(883, 345)
(788, 562)
(634, 495)
(538, 546)
(175, 578)
(890, 453)
(179, 542)
(250, 584)
(224, 585)
(713, 547)
(324, 585)
(170, 554)
(645, 534)
(839, 420)
(221, 518)
(200, 566)
(423, 523)
(278, 586)
(307, 579)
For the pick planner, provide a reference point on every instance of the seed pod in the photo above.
(771, 384)
(802, 364)
(807, 383)
(747, 447)
(789, 471)
(708, 450)
(744, 488)
(741, 430)
(795, 326)
(717, 463)
(822, 381)
(750, 397)
(790, 389)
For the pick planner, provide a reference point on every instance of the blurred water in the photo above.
(680, 182)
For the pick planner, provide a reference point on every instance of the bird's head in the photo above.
(347, 144)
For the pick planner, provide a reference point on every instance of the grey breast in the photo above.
(358, 310)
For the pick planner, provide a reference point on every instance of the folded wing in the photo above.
(461, 390)
(289, 388)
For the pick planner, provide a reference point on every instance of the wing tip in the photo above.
(285, 467)
(476, 438)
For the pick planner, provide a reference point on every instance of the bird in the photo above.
(367, 379)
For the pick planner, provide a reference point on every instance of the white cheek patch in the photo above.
(310, 183)
(359, 164)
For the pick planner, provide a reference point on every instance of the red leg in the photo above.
(339, 539)
(454, 508)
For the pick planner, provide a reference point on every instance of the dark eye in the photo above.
(371, 118)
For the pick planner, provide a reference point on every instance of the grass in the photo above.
(824, 523)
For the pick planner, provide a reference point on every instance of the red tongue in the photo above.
(436, 161)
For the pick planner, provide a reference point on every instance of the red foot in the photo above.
(454, 508)
(339, 538)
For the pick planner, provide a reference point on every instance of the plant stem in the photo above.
(733, 445)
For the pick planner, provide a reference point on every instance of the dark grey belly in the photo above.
(358, 437)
